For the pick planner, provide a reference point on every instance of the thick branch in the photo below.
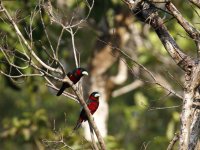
(195, 2)
(195, 77)
(189, 28)
(195, 130)
(190, 119)
(146, 12)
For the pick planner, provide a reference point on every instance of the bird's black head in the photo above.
(94, 96)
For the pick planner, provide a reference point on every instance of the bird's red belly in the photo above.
(93, 107)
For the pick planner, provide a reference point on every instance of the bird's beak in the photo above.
(97, 95)
(85, 73)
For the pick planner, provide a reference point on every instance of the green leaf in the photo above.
(141, 100)
(170, 129)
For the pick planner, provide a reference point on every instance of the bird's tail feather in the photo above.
(64, 86)
(78, 124)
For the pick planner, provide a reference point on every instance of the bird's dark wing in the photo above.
(82, 118)
(69, 74)
(64, 86)
(83, 115)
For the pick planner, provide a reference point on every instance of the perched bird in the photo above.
(74, 76)
(92, 104)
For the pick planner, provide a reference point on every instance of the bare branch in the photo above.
(194, 137)
(54, 52)
(145, 69)
(10, 63)
(51, 85)
(74, 48)
(60, 141)
(155, 81)
(161, 108)
(67, 26)
(147, 13)
(33, 15)
(169, 90)
(45, 31)
(195, 2)
(173, 141)
(59, 40)
(20, 76)
(189, 28)
(25, 42)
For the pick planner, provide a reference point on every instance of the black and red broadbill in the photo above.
(74, 76)
(92, 104)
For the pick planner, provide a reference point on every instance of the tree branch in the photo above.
(25, 42)
(173, 141)
(189, 28)
(195, 2)
(155, 81)
(195, 130)
(147, 13)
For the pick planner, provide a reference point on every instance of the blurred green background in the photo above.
(31, 114)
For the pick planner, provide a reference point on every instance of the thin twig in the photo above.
(25, 42)
(45, 31)
(59, 41)
(69, 95)
(173, 141)
(144, 68)
(74, 48)
(161, 108)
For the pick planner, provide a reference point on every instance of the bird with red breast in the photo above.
(74, 76)
(92, 104)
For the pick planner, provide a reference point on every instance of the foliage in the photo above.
(31, 113)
